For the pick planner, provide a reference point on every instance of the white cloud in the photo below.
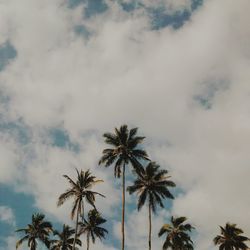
(9, 158)
(7, 216)
(10, 242)
(126, 73)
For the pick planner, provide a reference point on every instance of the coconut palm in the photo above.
(91, 227)
(231, 238)
(66, 239)
(177, 234)
(152, 186)
(80, 190)
(124, 150)
(39, 229)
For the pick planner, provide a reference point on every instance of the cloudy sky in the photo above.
(179, 70)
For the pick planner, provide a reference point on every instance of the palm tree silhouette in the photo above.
(91, 227)
(37, 230)
(177, 234)
(231, 238)
(80, 190)
(124, 150)
(65, 241)
(151, 185)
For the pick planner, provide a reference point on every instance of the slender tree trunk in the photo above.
(77, 217)
(123, 205)
(87, 241)
(33, 247)
(150, 227)
(82, 210)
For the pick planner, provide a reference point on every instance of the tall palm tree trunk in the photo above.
(33, 247)
(87, 241)
(77, 217)
(82, 210)
(150, 227)
(123, 205)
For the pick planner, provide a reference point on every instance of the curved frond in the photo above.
(132, 133)
(164, 229)
(76, 205)
(111, 139)
(134, 188)
(71, 182)
(20, 242)
(179, 220)
(142, 199)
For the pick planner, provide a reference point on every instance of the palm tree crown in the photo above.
(91, 227)
(80, 190)
(37, 230)
(177, 234)
(231, 238)
(65, 240)
(152, 185)
(124, 149)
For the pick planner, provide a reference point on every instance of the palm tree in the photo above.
(231, 238)
(65, 240)
(124, 150)
(151, 185)
(177, 234)
(80, 190)
(92, 226)
(37, 230)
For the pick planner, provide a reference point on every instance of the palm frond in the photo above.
(142, 199)
(20, 242)
(65, 196)
(132, 133)
(133, 143)
(133, 188)
(140, 154)
(75, 206)
(117, 171)
(111, 139)
(165, 228)
(137, 166)
(158, 200)
(96, 193)
(71, 182)
(21, 230)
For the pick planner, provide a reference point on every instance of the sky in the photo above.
(178, 70)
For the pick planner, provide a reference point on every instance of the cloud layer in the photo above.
(187, 89)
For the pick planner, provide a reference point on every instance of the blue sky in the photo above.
(72, 70)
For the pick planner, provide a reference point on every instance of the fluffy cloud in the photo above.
(9, 158)
(187, 89)
(6, 215)
(11, 243)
